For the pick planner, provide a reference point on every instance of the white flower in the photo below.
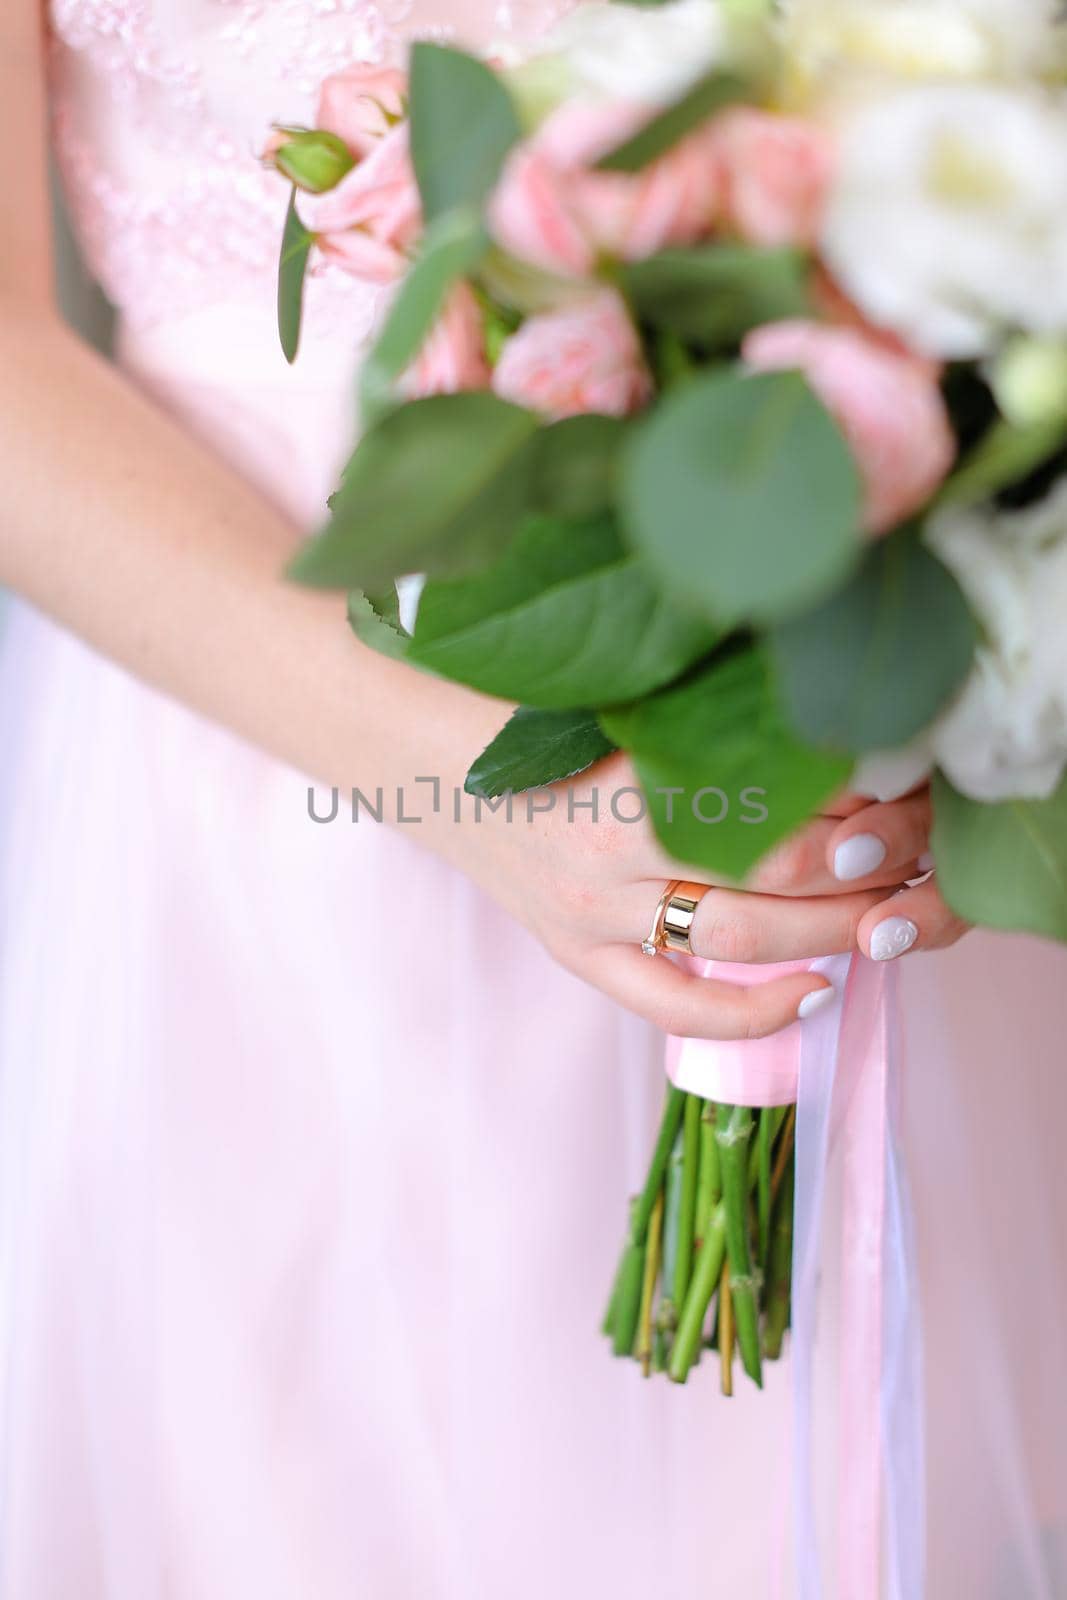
(926, 38)
(636, 53)
(888, 774)
(948, 218)
(1006, 734)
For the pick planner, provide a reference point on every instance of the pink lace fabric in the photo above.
(161, 108)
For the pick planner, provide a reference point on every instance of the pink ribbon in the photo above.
(840, 1068)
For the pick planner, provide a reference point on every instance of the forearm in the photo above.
(135, 536)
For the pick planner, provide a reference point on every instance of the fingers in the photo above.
(845, 804)
(701, 1008)
(880, 838)
(803, 865)
(858, 844)
(734, 925)
(914, 919)
(800, 866)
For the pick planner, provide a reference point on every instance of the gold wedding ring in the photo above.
(673, 920)
(678, 917)
(657, 939)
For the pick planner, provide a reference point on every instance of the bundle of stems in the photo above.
(708, 1252)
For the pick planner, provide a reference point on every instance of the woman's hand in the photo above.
(587, 885)
(916, 917)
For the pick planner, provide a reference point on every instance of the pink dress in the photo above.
(304, 1238)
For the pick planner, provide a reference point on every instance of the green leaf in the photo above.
(451, 248)
(463, 124)
(713, 296)
(375, 621)
(1004, 865)
(296, 244)
(1005, 455)
(566, 617)
(873, 665)
(577, 466)
(536, 748)
(743, 496)
(439, 485)
(720, 739)
(708, 95)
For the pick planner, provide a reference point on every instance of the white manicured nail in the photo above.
(892, 937)
(858, 857)
(926, 862)
(814, 1002)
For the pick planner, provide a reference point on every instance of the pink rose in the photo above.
(776, 173)
(361, 104)
(369, 223)
(585, 357)
(887, 404)
(453, 357)
(554, 211)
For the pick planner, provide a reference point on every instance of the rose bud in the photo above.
(309, 157)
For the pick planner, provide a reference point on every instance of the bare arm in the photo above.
(132, 534)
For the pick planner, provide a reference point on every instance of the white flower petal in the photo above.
(1005, 736)
(948, 218)
(632, 53)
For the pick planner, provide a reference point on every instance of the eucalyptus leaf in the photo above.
(438, 485)
(566, 617)
(712, 296)
(463, 123)
(296, 245)
(451, 249)
(711, 93)
(726, 779)
(375, 621)
(536, 748)
(578, 461)
(743, 496)
(873, 665)
(1004, 865)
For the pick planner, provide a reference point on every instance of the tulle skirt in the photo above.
(305, 1231)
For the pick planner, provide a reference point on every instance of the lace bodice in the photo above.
(161, 107)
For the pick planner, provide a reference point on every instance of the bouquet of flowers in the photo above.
(721, 402)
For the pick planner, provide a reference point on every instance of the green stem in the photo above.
(625, 1306)
(607, 1324)
(709, 1179)
(628, 1300)
(778, 1115)
(726, 1333)
(683, 1260)
(733, 1131)
(671, 1214)
(705, 1280)
(784, 1153)
(669, 1123)
(643, 1350)
(779, 1269)
(763, 1185)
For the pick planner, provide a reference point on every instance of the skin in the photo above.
(97, 481)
